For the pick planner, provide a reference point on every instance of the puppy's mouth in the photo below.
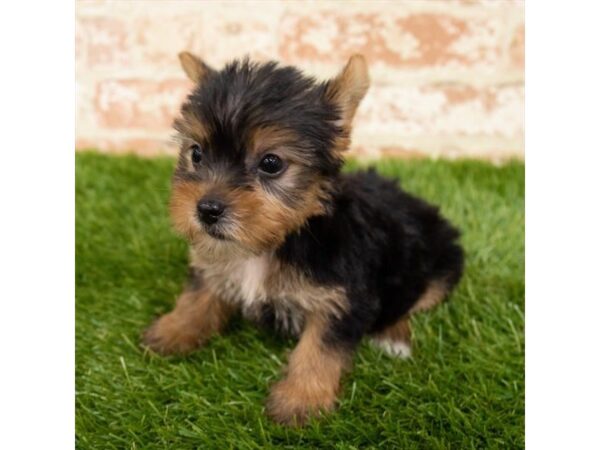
(216, 233)
(219, 230)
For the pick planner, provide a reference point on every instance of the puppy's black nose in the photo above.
(209, 211)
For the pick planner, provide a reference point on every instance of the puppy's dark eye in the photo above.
(271, 164)
(196, 153)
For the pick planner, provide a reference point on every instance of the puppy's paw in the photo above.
(396, 348)
(170, 336)
(293, 402)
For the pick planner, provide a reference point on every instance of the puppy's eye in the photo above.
(271, 165)
(196, 153)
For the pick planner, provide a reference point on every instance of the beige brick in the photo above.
(394, 38)
(134, 40)
(441, 110)
(233, 31)
(101, 41)
(138, 103)
(517, 48)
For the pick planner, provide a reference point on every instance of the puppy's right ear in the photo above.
(349, 87)
(194, 67)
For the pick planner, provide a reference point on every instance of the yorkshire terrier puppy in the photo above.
(279, 235)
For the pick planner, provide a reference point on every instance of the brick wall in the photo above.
(447, 76)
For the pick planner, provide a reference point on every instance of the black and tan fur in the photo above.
(328, 257)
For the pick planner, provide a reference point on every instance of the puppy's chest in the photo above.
(249, 281)
(270, 292)
(265, 291)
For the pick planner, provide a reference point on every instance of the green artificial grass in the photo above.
(463, 388)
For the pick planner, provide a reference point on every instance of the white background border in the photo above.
(37, 225)
(562, 148)
(562, 245)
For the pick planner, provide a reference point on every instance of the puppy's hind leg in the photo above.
(433, 296)
(396, 338)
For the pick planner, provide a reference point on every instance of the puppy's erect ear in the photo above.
(194, 67)
(349, 87)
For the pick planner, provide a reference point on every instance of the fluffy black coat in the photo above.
(383, 245)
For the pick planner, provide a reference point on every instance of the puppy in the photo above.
(279, 235)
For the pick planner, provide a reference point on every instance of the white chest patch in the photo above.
(249, 276)
(261, 283)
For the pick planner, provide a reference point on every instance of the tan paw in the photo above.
(169, 335)
(292, 403)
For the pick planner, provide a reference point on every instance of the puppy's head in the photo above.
(260, 150)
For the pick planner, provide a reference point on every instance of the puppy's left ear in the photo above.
(194, 67)
(349, 87)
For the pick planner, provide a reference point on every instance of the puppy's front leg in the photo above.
(312, 377)
(198, 314)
